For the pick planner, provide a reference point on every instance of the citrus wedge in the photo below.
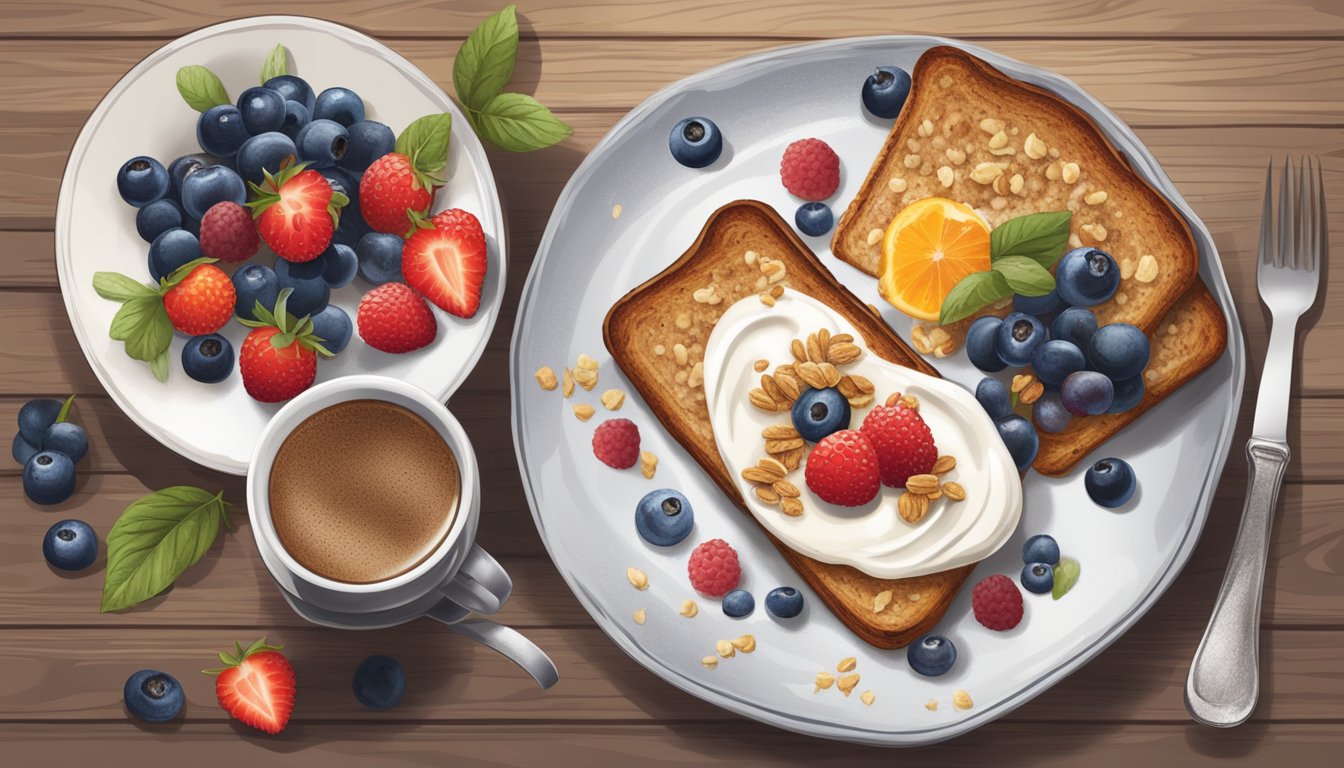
(928, 248)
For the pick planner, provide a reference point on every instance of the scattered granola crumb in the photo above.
(745, 643)
(725, 649)
(847, 664)
(616, 214)
(584, 411)
(638, 579)
(824, 680)
(931, 705)
(767, 300)
(640, 616)
(613, 399)
(881, 600)
(710, 662)
(761, 365)
(867, 697)
(962, 700)
(546, 378)
(567, 384)
(847, 682)
(648, 464)
(689, 609)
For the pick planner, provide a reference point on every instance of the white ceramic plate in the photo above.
(584, 510)
(217, 425)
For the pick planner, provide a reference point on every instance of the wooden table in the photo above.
(1210, 87)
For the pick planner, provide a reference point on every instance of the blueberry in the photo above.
(380, 682)
(931, 655)
(340, 105)
(1119, 350)
(182, 167)
(311, 292)
(207, 186)
(1086, 277)
(22, 450)
(296, 116)
(265, 151)
(369, 140)
(262, 110)
(820, 412)
(153, 696)
(1020, 437)
(142, 180)
(255, 283)
(784, 602)
(220, 130)
(1110, 482)
(1128, 393)
(171, 250)
(814, 219)
(208, 359)
(885, 92)
(293, 88)
(1075, 324)
(695, 142)
(339, 265)
(1049, 414)
(351, 225)
(738, 604)
(1041, 548)
(35, 416)
(158, 217)
(1087, 393)
(333, 326)
(322, 143)
(379, 257)
(49, 477)
(67, 438)
(664, 517)
(981, 347)
(1054, 360)
(1017, 337)
(993, 397)
(1038, 577)
(70, 545)
(1040, 306)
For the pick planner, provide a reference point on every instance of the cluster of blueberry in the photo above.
(48, 446)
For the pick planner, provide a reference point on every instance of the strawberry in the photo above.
(279, 357)
(256, 685)
(200, 301)
(902, 440)
(391, 190)
(445, 261)
(842, 469)
(393, 318)
(296, 211)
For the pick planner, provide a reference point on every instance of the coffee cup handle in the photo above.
(507, 641)
(481, 583)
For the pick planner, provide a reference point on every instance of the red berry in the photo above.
(842, 469)
(202, 302)
(810, 169)
(616, 443)
(273, 374)
(256, 686)
(446, 263)
(903, 443)
(997, 603)
(714, 569)
(393, 318)
(390, 189)
(297, 214)
(228, 233)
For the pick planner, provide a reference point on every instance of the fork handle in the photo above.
(1224, 680)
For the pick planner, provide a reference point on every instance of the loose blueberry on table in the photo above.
(70, 545)
(379, 682)
(153, 696)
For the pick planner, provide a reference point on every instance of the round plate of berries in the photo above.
(265, 204)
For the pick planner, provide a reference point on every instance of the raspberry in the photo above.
(842, 469)
(903, 442)
(810, 169)
(616, 443)
(228, 234)
(997, 602)
(714, 569)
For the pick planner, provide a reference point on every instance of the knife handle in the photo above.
(1224, 680)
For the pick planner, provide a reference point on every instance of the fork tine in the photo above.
(1318, 211)
(1267, 217)
(1306, 215)
(1286, 221)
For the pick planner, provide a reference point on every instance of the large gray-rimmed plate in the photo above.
(584, 510)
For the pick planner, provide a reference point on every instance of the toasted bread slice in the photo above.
(1189, 339)
(645, 330)
(959, 108)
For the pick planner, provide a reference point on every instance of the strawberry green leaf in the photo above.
(155, 540)
(118, 287)
(425, 142)
(275, 64)
(181, 272)
(1066, 575)
(485, 61)
(64, 413)
(519, 123)
(201, 88)
(1040, 237)
(159, 366)
(1024, 276)
(972, 293)
(144, 325)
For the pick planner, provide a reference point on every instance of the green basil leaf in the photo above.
(159, 366)
(276, 64)
(1025, 276)
(1066, 575)
(425, 142)
(485, 61)
(1040, 237)
(971, 294)
(143, 324)
(118, 287)
(201, 88)
(155, 540)
(519, 123)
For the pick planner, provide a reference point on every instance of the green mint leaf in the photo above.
(275, 64)
(425, 142)
(118, 287)
(181, 272)
(971, 294)
(143, 324)
(1066, 575)
(519, 123)
(1024, 275)
(155, 540)
(485, 61)
(159, 366)
(1040, 237)
(64, 413)
(201, 88)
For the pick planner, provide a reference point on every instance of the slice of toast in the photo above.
(1189, 339)
(958, 111)
(646, 332)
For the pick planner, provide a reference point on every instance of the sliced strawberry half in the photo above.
(256, 685)
(296, 211)
(445, 261)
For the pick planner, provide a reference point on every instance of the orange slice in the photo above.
(931, 245)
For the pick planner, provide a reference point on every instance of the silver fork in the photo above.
(1224, 680)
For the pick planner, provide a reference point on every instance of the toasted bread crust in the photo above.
(649, 316)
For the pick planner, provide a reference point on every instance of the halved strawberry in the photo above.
(296, 211)
(445, 261)
(256, 685)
